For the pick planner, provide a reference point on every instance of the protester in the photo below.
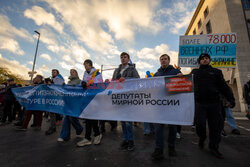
(209, 84)
(65, 132)
(230, 118)
(126, 71)
(91, 76)
(57, 79)
(2, 91)
(165, 70)
(246, 95)
(39, 114)
(9, 101)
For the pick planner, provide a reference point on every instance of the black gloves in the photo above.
(84, 85)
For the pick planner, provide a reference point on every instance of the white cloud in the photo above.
(143, 65)
(48, 37)
(79, 66)
(124, 25)
(40, 16)
(8, 30)
(70, 48)
(96, 21)
(46, 56)
(154, 53)
(19, 69)
(44, 68)
(177, 16)
(65, 65)
(181, 23)
(8, 33)
(30, 62)
(68, 59)
(79, 53)
(10, 45)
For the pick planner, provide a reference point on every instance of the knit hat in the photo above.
(202, 56)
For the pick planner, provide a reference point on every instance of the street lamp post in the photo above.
(34, 62)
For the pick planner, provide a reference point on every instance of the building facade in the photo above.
(226, 16)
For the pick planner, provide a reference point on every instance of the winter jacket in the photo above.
(170, 70)
(209, 83)
(94, 76)
(58, 80)
(74, 80)
(129, 72)
(8, 95)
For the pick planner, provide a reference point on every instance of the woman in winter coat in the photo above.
(65, 132)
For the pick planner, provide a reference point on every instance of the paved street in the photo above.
(32, 148)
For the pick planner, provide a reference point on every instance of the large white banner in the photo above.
(145, 100)
(167, 100)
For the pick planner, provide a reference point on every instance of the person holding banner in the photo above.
(165, 70)
(57, 79)
(125, 71)
(65, 132)
(91, 76)
(209, 85)
(28, 113)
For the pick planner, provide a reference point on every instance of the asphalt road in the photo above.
(32, 148)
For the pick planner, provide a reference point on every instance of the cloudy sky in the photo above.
(75, 30)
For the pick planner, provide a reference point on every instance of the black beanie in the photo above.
(202, 56)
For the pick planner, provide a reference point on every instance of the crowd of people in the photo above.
(214, 101)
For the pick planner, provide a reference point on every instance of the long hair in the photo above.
(75, 72)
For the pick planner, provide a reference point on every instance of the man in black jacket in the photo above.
(165, 70)
(9, 100)
(209, 84)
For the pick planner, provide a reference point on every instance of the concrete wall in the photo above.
(238, 25)
(219, 20)
(247, 14)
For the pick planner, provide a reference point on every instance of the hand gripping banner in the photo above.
(167, 100)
